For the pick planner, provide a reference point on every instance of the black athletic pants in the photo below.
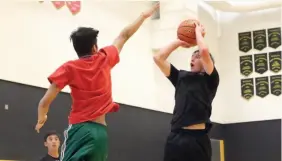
(188, 145)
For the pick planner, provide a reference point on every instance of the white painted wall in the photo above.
(234, 107)
(35, 41)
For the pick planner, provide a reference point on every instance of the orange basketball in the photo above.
(186, 31)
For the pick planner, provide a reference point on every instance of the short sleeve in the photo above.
(112, 54)
(213, 79)
(60, 77)
(173, 76)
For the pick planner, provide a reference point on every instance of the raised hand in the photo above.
(151, 11)
(200, 28)
(40, 124)
(184, 44)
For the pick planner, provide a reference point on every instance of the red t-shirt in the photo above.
(90, 82)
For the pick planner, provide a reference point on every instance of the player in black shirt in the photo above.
(195, 91)
(52, 142)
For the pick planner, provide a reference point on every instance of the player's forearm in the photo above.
(164, 53)
(42, 111)
(200, 42)
(129, 30)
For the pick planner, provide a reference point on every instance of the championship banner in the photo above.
(262, 86)
(59, 4)
(246, 65)
(259, 39)
(245, 41)
(274, 37)
(247, 88)
(261, 63)
(275, 85)
(74, 6)
(275, 61)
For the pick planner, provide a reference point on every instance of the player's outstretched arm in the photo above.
(203, 50)
(129, 30)
(58, 80)
(43, 106)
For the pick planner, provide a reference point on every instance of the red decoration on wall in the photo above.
(74, 6)
(59, 4)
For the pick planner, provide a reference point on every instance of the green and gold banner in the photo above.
(262, 86)
(275, 85)
(259, 38)
(275, 61)
(245, 41)
(247, 88)
(261, 63)
(274, 37)
(246, 65)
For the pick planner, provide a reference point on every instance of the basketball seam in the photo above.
(182, 26)
(186, 36)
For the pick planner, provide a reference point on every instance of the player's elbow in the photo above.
(204, 51)
(157, 59)
(119, 42)
(43, 103)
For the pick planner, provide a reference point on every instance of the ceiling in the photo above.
(243, 6)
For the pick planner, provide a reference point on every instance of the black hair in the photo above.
(83, 39)
(49, 134)
(196, 51)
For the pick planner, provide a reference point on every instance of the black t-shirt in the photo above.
(49, 158)
(193, 97)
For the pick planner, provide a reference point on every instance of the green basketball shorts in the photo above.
(86, 141)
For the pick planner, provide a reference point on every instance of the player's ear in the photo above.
(94, 48)
(45, 144)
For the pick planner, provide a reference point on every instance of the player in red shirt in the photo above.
(91, 90)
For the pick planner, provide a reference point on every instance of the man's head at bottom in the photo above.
(52, 141)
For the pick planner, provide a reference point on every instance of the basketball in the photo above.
(186, 31)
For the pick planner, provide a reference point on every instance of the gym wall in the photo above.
(42, 46)
(242, 110)
(36, 37)
(251, 129)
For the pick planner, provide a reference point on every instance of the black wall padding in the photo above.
(135, 133)
(18, 140)
(253, 141)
